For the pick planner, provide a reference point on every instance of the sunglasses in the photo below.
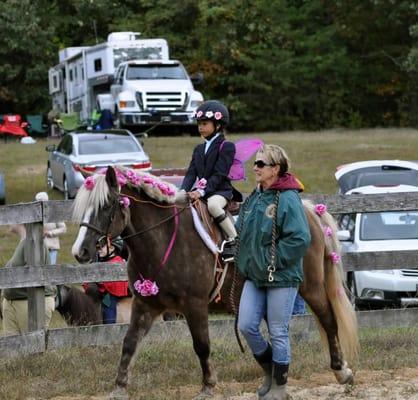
(262, 164)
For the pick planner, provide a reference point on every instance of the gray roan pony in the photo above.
(155, 223)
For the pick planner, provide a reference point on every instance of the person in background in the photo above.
(273, 237)
(52, 231)
(15, 301)
(210, 165)
(109, 292)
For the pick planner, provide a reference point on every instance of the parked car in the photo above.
(380, 231)
(2, 189)
(86, 151)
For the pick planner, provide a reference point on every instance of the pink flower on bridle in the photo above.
(125, 202)
(89, 183)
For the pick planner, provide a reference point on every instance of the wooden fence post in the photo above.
(36, 295)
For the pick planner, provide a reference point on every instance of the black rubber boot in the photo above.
(279, 382)
(265, 362)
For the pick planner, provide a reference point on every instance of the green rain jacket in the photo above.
(255, 236)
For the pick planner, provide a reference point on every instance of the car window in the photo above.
(378, 176)
(66, 145)
(399, 225)
(347, 222)
(156, 71)
(108, 145)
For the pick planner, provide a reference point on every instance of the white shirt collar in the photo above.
(209, 142)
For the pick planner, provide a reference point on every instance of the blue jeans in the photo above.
(53, 255)
(277, 305)
(299, 307)
(109, 311)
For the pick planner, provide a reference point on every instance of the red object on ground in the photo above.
(13, 125)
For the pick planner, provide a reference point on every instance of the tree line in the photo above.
(278, 65)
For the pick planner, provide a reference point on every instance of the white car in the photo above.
(380, 231)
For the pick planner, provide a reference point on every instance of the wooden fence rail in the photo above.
(34, 276)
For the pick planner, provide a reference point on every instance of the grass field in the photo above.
(159, 373)
(315, 157)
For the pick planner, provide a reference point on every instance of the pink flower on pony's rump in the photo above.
(335, 257)
(328, 231)
(146, 287)
(201, 184)
(320, 209)
(125, 202)
(89, 183)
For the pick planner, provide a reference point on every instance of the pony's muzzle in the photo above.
(83, 256)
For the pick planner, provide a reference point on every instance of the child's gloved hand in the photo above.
(194, 195)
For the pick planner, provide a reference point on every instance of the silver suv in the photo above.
(87, 151)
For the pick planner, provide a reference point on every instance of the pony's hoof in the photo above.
(119, 394)
(206, 393)
(344, 375)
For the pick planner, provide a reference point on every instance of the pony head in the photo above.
(102, 213)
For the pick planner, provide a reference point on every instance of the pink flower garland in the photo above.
(146, 287)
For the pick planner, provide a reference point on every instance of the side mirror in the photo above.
(50, 147)
(344, 236)
(197, 78)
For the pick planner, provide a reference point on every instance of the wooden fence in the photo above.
(35, 277)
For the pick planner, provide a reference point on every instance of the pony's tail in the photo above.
(336, 290)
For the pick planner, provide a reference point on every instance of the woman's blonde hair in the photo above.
(275, 155)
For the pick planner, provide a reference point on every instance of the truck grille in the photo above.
(165, 101)
(409, 272)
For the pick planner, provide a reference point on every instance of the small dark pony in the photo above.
(80, 309)
(177, 273)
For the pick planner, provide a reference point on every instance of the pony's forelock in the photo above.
(95, 198)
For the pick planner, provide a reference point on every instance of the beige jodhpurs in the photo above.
(216, 205)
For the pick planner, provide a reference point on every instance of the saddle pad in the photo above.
(203, 233)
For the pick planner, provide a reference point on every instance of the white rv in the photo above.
(132, 77)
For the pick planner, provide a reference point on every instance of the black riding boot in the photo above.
(279, 382)
(265, 362)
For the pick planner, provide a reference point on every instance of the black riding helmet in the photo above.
(213, 110)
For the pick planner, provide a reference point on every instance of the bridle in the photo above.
(106, 237)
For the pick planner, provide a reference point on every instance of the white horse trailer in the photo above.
(82, 80)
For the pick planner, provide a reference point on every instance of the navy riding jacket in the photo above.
(214, 166)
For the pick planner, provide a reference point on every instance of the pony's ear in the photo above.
(111, 179)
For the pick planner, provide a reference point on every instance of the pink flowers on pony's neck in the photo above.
(146, 287)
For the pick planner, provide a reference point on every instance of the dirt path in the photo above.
(370, 385)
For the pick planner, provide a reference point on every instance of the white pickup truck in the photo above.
(147, 92)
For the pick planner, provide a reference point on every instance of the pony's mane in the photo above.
(95, 192)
